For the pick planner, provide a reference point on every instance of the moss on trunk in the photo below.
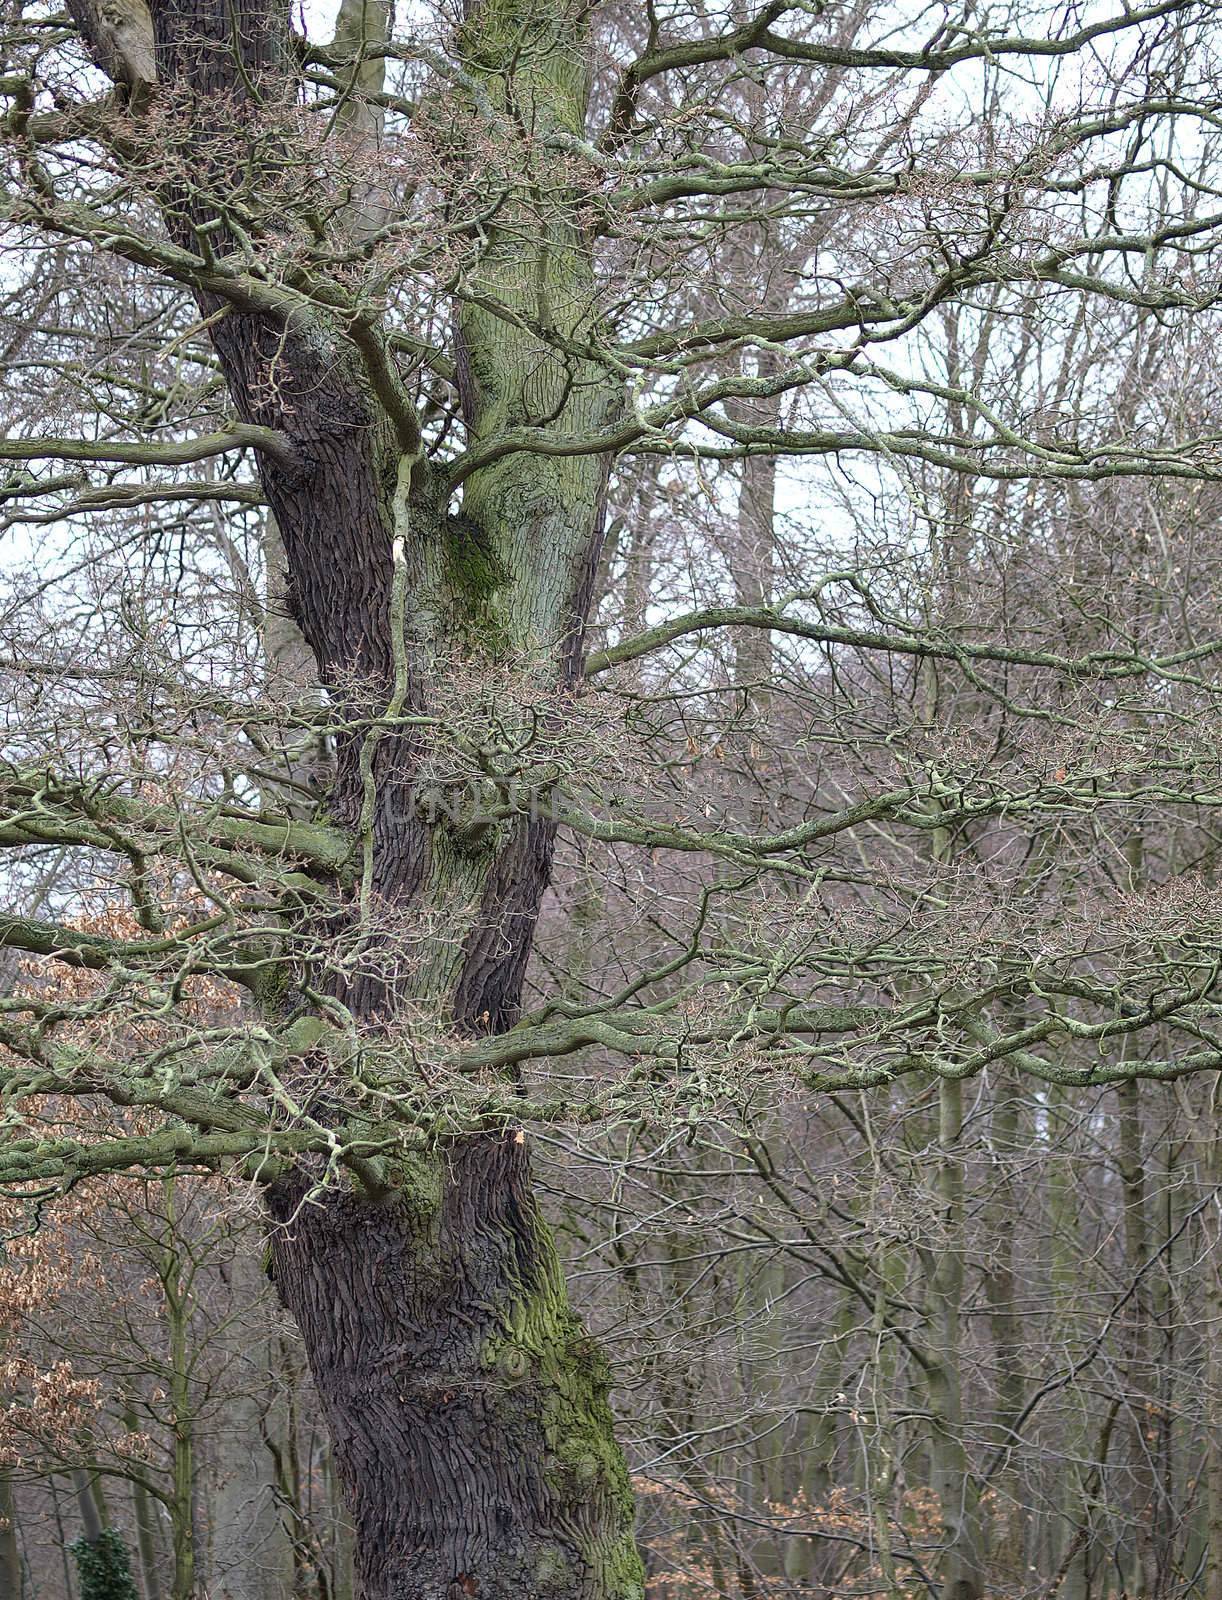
(473, 1434)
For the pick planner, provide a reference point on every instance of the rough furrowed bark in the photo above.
(468, 1409)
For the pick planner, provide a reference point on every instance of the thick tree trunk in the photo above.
(467, 1407)
(471, 1428)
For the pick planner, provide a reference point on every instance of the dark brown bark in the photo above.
(469, 1412)
(467, 1407)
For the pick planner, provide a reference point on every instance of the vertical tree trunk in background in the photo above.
(1143, 1431)
(806, 1559)
(1211, 1161)
(251, 1554)
(1138, 1366)
(146, 1542)
(878, 1459)
(1170, 1211)
(1005, 1323)
(87, 1503)
(751, 560)
(61, 1535)
(754, 555)
(176, 1296)
(10, 1554)
(951, 1478)
(759, 1286)
(1070, 1543)
(343, 1549)
(145, 1518)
